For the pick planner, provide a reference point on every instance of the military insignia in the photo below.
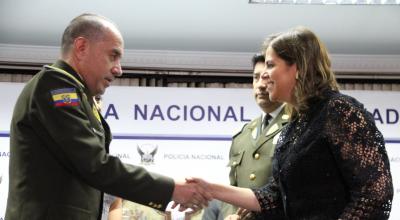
(274, 128)
(285, 117)
(65, 97)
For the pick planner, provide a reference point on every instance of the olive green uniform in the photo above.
(250, 156)
(59, 165)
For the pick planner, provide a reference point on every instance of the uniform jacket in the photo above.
(251, 154)
(59, 165)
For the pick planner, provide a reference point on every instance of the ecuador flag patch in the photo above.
(65, 97)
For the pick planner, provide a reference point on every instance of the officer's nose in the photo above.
(117, 69)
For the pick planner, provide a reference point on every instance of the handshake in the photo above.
(193, 193)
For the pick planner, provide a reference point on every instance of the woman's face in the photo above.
(281, 78)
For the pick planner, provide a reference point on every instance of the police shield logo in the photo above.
(147, 153)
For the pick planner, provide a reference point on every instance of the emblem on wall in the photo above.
(147, 153)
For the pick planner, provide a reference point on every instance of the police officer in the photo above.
(59, 161)
(253, 147)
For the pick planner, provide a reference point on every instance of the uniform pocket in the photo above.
(236, 159)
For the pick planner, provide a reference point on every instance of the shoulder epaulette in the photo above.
(69, 75)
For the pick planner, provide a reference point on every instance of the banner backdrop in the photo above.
(187, 131)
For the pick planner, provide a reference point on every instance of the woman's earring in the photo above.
(297, 75)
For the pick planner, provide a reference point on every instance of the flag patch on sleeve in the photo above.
(65, 97)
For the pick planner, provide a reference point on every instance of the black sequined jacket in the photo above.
(330, 163)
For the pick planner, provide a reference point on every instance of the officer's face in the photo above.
(103, 62)
(260, 89)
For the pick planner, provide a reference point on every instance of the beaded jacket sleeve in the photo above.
(330, 163)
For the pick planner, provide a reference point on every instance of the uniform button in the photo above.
(252, 176)
(234, 163)
(257, 156)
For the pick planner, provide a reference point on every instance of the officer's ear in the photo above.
(81, 47)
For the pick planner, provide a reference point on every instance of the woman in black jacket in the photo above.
(330, 161)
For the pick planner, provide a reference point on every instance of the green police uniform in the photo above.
(59, 165)
(250, 157)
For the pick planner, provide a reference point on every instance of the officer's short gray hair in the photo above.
(90, 26)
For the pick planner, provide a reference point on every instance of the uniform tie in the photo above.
(266, 119)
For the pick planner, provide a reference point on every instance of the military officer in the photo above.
(59, 161)
(253, 147)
